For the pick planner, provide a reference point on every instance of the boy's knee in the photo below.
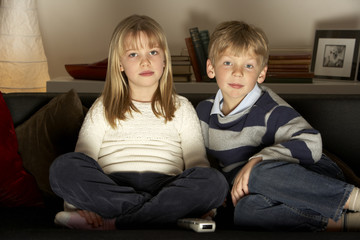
(248, 207)
(243, 211)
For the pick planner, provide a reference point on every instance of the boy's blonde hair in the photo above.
(116, 93)
(239, 37)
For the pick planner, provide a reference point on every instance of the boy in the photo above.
(271, 157)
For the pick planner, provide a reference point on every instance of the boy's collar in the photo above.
(247, 102)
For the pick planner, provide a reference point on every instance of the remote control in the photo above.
(197, 224)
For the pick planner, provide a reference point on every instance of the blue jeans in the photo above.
(291, 197)
(136, 198)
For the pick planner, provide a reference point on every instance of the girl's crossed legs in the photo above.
(136, 198)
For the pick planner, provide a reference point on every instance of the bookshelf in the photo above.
(318, 86)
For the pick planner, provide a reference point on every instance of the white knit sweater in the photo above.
(144, 142)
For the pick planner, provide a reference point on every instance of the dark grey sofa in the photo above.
(337, 117)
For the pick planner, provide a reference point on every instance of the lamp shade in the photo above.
(23, 64)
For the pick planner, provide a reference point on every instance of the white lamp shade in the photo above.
(23, 64)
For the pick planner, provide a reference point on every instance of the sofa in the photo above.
(37, 127)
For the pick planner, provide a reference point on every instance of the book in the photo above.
(205, 39)
(182, 77)
(289, 75)
(289, 69)
(193, 59)
(180, 58)
(199, 51)
(289, 55)
(290, 61)
(288, 80)
(300, 67)
(181, 67)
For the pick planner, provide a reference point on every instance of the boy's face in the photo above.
(236, 76)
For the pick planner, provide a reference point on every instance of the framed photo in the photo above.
(336, 54)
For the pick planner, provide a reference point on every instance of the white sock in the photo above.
(354, 200)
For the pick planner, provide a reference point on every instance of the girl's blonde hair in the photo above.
(238, 37)
(116, 93)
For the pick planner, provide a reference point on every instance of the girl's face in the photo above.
(143, 66)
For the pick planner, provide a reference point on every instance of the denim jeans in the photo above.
(291, 197)
(147, 198)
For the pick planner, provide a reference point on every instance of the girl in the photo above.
(140, 157)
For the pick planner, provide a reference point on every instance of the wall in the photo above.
(79, 31)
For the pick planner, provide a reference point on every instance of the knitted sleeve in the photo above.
(192, 142)
(92, 131)
(290, 137)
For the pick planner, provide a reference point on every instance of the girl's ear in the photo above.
(262, 75)
(210, 69)
(121, 68)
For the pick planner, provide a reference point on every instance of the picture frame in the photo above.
(336, 54)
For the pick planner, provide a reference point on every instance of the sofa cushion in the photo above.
(48, 133)
(17, 187)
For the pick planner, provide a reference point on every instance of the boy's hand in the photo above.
(240, 187)
(92, 218)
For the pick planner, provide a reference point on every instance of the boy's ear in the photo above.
(210, 69)
(262, 75)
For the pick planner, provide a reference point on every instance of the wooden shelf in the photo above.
(319, 86)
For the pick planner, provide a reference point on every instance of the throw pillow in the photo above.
(50, 132)
(17, 187)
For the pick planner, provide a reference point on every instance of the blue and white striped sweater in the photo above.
(271, 129)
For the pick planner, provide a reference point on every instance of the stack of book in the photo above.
(289, 67)
(181, 67)
(197, 46)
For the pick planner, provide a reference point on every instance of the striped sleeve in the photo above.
(289, 136)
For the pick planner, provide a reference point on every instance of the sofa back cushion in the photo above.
(49, 132)
(337, 117)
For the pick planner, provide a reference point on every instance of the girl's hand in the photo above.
(92, 218)
(240, 187)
